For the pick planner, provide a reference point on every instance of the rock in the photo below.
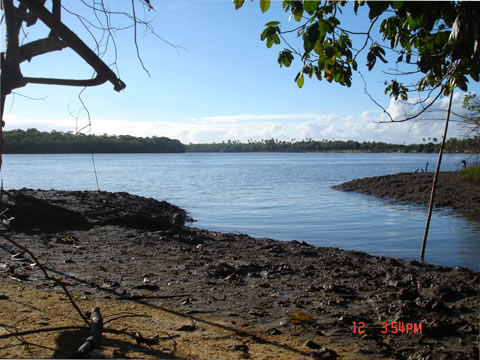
(151, 287)
(238, 347)
(273, 331)
(311, 344)
(186, 327)
(324, 354)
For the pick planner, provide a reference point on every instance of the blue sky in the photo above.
(223, 83)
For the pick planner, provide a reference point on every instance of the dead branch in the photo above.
(47, 276)
(95, 334)
(74, 42)
(39, 47)
(67, 82)
(127, 315)
(37, 331)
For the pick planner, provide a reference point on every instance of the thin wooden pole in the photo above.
(435, 178)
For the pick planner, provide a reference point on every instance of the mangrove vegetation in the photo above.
(33, 141)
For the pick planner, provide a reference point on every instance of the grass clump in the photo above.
(471, 174)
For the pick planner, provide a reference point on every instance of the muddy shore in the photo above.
(452, 191)
(126, 248)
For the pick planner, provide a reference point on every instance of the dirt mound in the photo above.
(239, 291)
(51, 211)
(452, 191)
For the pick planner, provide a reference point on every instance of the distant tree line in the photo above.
(32, 141)
(453, 145)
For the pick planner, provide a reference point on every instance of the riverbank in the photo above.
(452, 191)
(150, 273)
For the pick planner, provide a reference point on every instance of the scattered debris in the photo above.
(312, 344)
(250, 283)
(149, 341)
(324, 354)
(186, 327)
(301, 318)
(151, 287)
(238, 347)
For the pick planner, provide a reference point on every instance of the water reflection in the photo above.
(280, 196)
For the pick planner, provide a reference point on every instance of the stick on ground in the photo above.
(95, 334)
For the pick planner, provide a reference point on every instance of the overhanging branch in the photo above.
(74, 42)
(68, 82)
(39, 47)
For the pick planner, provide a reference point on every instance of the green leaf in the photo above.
(311, 37)
(461, 82)
(376, 8)
(264, 34)
(269, 42)
(310, 6)
(264, 5)
(461, 85)
(300, 79)
(285, 57)
(356, 4)
(323, 28)
(238, 4)
(398, 4)
(273, 23)
(415, 22)
(318, 48)
(474, 76)
(297, 10)
(329, 51)
(334, 21)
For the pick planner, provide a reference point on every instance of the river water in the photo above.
(284, 196)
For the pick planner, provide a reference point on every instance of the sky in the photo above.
(219, 83)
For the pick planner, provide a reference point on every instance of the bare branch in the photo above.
(39, 47)
(67, 82)
(367, 38)
(47, 276)
(29, 97)
(135, 38)
(75, 43)
(372, 99)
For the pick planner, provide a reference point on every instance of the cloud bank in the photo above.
(243, 127)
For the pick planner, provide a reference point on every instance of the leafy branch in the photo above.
(432, 37)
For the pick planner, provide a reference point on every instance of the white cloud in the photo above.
(359, 127)
(252, 117)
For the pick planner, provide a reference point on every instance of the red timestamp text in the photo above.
(393, 327)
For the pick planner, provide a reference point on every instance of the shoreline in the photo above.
(451, 192)
(124, 248)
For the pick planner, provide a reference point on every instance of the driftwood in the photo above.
(95, 334)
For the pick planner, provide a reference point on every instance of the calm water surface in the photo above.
(284, 196)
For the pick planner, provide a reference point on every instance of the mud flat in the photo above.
(452, 191)
(150, 272)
